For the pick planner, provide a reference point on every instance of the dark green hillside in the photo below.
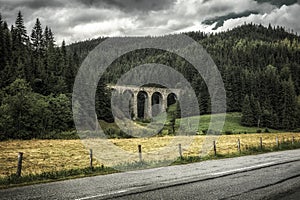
(255, 61)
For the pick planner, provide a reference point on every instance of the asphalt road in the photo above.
(266, 176)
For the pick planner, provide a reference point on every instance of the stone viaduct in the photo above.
(147, 102)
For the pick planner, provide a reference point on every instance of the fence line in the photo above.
(239, 145)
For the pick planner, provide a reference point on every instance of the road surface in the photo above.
(267, 176)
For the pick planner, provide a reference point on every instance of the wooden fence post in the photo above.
(91, 159)
(261, 143)
(293, 140)
(239, 145)
(277, 142)
(215, 148)
(140, 152)
(180, 151)
(20, 158)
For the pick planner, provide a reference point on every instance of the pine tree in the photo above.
(102, 102)
(49, 38)
(20, 47)
(257, 112)
(37, 38)
(288, 111)
(63, 54)
(2, 45)
(38, 48)
(247, 113)
(20, 30)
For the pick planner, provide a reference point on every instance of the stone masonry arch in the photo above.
(150, 97)
(156, 103)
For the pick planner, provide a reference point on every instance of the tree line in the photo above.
(36, 80)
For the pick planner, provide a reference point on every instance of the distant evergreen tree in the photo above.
(38, 47)
(49, 38)
(20, 44)
(20, 30)
(288, 109)
(70, 70)
(251, 112)
(103, 103)
(247, 114)
(2, 45)
(37, 38)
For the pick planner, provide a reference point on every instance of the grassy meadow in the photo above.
(57, 155)
(45, 160)
(232, 124)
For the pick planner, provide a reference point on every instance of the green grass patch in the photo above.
(232, 124)
(13, 180)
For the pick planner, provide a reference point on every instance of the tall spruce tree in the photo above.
(20, 43)
(247, 113)
(288, 110)
(20, 30)
(37, 38)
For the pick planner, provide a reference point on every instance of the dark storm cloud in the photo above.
(75, 20)
(130, 5)
(36, 4)
(220, 20)
(220, 8)
(32, 4)
(278, 3)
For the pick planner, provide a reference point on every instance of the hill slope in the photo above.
(260, 67)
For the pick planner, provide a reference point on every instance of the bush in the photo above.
(267, 130)
(297, 130)
(111, 132)
(124, 135)
(115, 133)
(258, 131)
(2, 136)
(144, 120)
(228, 132)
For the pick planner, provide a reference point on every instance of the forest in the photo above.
(260, 67)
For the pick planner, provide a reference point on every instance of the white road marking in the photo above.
(212, 174)
(242, 169)
(102, 195)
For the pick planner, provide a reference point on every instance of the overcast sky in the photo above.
(75, 20)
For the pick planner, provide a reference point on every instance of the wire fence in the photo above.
(37, 162)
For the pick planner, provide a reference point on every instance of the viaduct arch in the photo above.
(147, 102)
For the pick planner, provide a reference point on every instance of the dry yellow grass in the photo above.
(55, 155)
(42, 156)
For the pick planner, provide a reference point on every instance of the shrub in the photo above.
(267, 130)
(115, 133)
(258, 131)
(146, 120)
(228, 132)
(111, 132)
(297, 130)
